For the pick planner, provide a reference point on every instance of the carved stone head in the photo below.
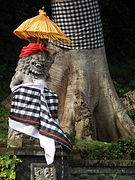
(36, 65)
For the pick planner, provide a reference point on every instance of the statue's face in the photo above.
(38, 63)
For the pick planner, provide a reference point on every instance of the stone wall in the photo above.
(79, 170)
(74, 169)
(102, 169)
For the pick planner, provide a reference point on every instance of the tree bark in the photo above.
(89, 103)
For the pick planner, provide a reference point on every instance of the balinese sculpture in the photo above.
(34, 106)
(32, 66)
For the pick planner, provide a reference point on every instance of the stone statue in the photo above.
(30, 67)
(35, 66)
(34, 106)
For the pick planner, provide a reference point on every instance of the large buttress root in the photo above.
(89, 104)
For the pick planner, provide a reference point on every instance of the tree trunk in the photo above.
(89, 103)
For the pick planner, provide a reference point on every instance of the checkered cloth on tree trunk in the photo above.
(80, 21)
(39, 108)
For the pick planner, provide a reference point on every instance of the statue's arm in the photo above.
(17, 79)
(20, 78)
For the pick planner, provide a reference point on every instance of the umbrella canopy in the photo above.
(41, 29)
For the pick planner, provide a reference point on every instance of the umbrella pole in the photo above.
(38, 39)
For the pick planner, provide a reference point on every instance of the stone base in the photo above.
(74, 168)
(102, 169)
(34, 165)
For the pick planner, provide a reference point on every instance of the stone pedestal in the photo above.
(33, 166)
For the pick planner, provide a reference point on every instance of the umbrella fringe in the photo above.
(38, 36)
(41, 27)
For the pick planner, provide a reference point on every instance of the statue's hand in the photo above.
(20, 78)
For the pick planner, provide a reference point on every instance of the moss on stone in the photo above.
(124, 148)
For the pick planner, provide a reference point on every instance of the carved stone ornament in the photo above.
(40, 171)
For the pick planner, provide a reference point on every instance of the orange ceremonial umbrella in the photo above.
(41, 29)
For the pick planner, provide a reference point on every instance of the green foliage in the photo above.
(123, 76)
(124, 148)
(118, 72)
(131, 114)
(5, 78)
(3, 124)
(91, 149)
(7, 167)
(119, 89)
(104, 3)
(72, 137)
(115, 177)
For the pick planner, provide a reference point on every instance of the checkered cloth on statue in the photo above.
(34, 112)
(80, 21)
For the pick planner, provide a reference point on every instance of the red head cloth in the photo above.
(32, 48)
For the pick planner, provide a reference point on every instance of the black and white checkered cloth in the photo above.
(80, 21)
(39, 108)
